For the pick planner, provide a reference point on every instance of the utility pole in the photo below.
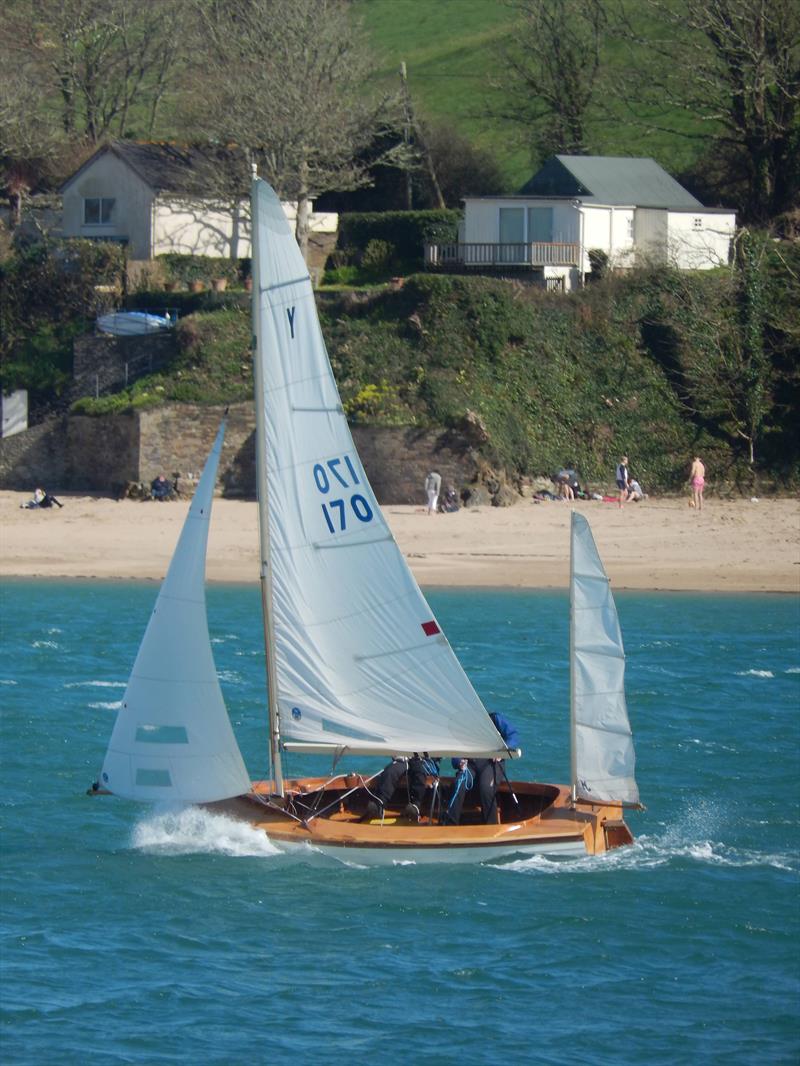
(407, 134)
(410, 125)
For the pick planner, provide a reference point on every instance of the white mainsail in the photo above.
(360, 661)
(602, 746)
(172, 739)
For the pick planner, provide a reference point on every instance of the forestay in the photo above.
(172, 739)
(602, 745)
(361, 662)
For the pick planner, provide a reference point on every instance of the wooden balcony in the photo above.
(537, 254)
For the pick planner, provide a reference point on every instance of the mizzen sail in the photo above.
(360, 662)
(172, 739)
(603, 759)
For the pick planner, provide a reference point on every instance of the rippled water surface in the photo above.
(138, 936)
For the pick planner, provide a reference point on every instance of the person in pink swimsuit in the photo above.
(697, 477)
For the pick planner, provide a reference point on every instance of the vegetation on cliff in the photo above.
(658, 364)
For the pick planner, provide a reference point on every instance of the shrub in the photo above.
(342, 275)
(598, 261)
(377, 405)
(379, 259)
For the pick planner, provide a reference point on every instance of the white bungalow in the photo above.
(151, 198)
(629, 209)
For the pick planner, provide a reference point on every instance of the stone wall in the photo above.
(101, 455)
(36, 456)
(397, 461)
(176, 441)
(72, 454)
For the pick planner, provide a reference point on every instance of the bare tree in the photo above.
(727, 73)
(108, 63)
(285, 80)
(551, 70)
(29, 135)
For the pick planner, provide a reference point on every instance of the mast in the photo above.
(262, 491)
(573, 746)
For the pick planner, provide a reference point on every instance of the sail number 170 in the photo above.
(332, 476)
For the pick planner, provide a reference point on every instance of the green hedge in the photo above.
(184, 269)
(405, 231)
(187, 303)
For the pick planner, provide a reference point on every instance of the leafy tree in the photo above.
(725, 73)
(719, 364)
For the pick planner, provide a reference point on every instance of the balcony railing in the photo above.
(536, 254)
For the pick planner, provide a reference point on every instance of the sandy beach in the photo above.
(736, 546)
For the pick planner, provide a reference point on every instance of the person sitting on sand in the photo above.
(41, 498)
(35, 501)
(160, 488)
(697, 476)
(449, 501)
(635, 491)
(565, 490)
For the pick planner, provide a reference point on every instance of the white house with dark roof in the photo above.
(629, 209)
(151, 198)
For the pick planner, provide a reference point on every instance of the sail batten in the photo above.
(346, 624)
(173, 691)
(603, 761)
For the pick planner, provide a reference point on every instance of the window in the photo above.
(97, 210)
(697, 223)
(512, 234)
(540, 225)
(630, 227)
(162, 734)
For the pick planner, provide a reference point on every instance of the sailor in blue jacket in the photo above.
(482, 774)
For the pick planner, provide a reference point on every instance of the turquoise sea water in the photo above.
(133, 936)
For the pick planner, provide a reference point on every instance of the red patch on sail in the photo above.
(430, 629)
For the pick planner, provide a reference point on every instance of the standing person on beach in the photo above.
(622, 477)
(433, 484)
(697, 476)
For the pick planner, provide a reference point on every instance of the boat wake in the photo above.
(194, 831)
(688, 840)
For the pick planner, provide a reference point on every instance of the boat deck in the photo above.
(331, 814)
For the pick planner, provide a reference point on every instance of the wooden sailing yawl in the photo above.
(356, 662)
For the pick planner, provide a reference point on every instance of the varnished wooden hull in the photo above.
(328, 815)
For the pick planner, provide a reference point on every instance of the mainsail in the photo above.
(172, 739)
(360, 662)
(602, 745)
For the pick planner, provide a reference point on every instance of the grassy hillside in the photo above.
(451, 51)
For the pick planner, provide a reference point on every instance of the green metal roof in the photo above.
(609, 180)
